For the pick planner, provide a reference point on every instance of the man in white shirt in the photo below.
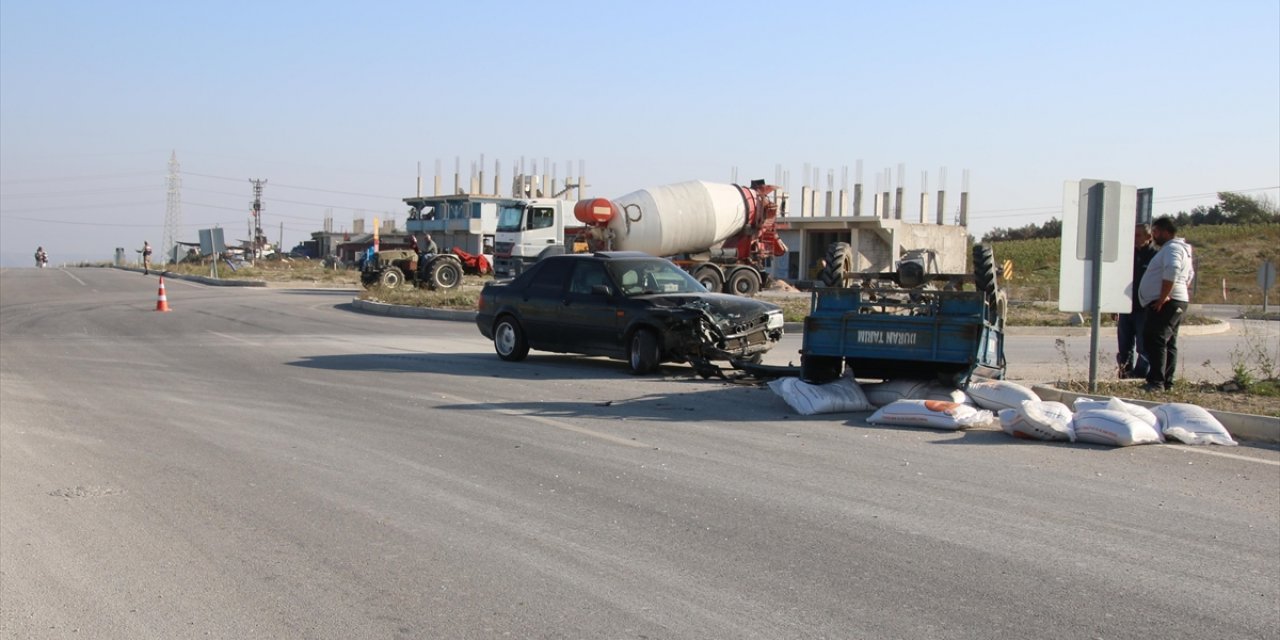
(1164, 295)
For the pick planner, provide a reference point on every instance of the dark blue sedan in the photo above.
(625, 305)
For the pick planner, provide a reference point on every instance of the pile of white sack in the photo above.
(1021, 413)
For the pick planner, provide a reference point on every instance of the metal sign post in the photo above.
(1266, 280)
(1097, 254)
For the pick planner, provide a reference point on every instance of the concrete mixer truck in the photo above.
(723, 234)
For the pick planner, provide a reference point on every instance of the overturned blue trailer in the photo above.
(907, 324)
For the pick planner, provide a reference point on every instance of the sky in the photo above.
(337, 105)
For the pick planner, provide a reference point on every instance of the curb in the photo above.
(217, 282)
(401, 311)
(1241, 426)
(1221, 326)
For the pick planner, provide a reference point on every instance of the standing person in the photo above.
(146, 258)
(1131, 353)
(1164, 296)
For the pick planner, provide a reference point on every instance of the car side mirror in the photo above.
(601, 290)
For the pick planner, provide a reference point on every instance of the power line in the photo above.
(289, 186)
(101, 176)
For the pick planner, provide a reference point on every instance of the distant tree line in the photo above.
(1232, 208)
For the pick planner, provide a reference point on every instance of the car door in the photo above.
(541, 303)
(589, 316)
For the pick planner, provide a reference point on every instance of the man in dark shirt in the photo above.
(1131, 355)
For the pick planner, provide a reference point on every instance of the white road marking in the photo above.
(551, 422)
(237, 339)
(73, 277)
(1210, 452)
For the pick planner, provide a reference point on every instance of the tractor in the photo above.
(393, 268)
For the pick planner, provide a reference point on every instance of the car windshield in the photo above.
(641, 277)
(510, 216)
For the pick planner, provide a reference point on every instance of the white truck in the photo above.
(529, 230)
(723, 234)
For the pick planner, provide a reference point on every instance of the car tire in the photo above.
(839, 261)
(445, 274)
(710, 277)
(744, 282)
(820, 369)
(391, 278)
(644, 353)
(509, 341)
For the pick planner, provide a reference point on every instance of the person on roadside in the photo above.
(1131, 353)
(1164, 296)
(146, 258)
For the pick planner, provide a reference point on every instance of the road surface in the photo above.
(265, 463)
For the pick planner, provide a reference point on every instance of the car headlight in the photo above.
(775, 320)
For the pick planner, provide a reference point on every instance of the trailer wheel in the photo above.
(839, 261)
(391, 278)
(820, 369)
(444, 274)
(710, 277)
(509, 340)
(984, 269)
(644, 352)
(744, 281)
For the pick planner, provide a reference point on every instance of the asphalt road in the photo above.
(265, 463)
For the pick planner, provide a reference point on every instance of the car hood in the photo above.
(720, 306)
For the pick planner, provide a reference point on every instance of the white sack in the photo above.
(938, 414)
(882, 393)
(1000, 394)
(1116, 404)
(1037, 420)
(834, 397)
(1191, 424)
(1111, 427)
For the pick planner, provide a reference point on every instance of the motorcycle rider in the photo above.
(42, 258)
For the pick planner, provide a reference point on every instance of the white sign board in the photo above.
(1101, 212)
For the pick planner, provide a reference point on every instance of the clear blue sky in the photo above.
(335, 104)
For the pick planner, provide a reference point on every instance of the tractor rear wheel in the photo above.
(444, 274)
(839, 262)
(984, 269)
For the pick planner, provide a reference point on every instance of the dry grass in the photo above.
(1262, 399)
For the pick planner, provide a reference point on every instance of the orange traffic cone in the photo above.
(162, 303)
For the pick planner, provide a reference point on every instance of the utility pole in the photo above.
(259, 239)
(172, 209)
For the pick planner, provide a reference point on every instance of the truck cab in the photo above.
(530, 229)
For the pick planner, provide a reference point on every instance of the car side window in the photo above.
(549, 280)
(586, 275)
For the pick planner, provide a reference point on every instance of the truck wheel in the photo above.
(643, 354)
(839, 261)
(509, 340)
(744, 282)
(445, 274)
(984, 269)
(820, 369)
(710, 277)
(391, 278)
